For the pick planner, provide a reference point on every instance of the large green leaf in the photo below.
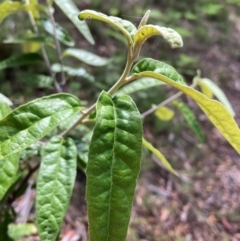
(20, 59)
(54, 186)
(215, 111)
(191, 119)
(113, 167)
(86, 57)
(126, 27)
(71, 11)
(32, 121)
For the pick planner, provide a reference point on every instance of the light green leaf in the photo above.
(4, 110)
(191, 119)
(218, 93)
(5, 100)
(54, 186)
(30, 122)
(164, 113)
(86, 57)
(33, 39)
(147, 31)
(159, 155)
(61, 34)
(71, 11)
(17, 231)
(113, 167)
(139, 84)
(18, 60)
(126, 27)
(215, 111)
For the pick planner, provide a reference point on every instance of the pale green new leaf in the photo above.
(21, 59)
(215, 110)
(159, 155)
(54, 186)
(113, 167)
(139, 84)
(30, 122)
(71, 11)
(86, 57)
(5, 100)
(20, 230)
(126, 27)
(164, 113)
(147, 31)
(191, 119)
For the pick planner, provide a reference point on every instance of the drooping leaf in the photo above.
(113, 167)
(191, 119)
(215, 111)
(126, 27)
(71, 11)
(86, 57)
(17, 231)
(5, 100)
(164, 113)
(217, 92)
(80, 72)
(21, 59)
(61, 34)
(159, 155)
(4, 110)
(30, 122)
(147, 31)
(139, 84)
(54, 186)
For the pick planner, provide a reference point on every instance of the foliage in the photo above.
(113, 162)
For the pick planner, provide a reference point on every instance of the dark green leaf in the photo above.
(113, 167)
(54, 186)
(32, 121)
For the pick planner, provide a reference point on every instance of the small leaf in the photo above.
(164, 113)
(30, 122)
(215, 111)
(30, 39)
(217, 92)
(126, 27)
(147, 31)
(61, 34)
(17, 231)
(5, 100)
(159, 155)
(113, 167)
(205, 89)
(191, 119)
(139, 84)
(71, 11)
(18, 60)
(54, 186)
(86, 57)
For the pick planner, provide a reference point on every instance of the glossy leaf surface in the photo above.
(32, 121)
(71, 11)
(147, 31)
(113, 167)
(126, 27)
(164, 113)
(18, 60)
(215, 111)
(159, 155)
(86, 57)
(54, 186)
(191, 119)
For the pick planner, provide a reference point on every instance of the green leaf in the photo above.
(139, 84)
(33, 39)
(159, 155)
(164, 113)
(160, 68)
(61, 34)
(30, 122)
(218, 93)
(54, 186)
(126, 27)
(147, 31)
(5, 100)
(215, 111)
(86, 57)
(191, 119)
(17, 231)
(113, 167)
(21, 59)
(4, 110)
(71, 11)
